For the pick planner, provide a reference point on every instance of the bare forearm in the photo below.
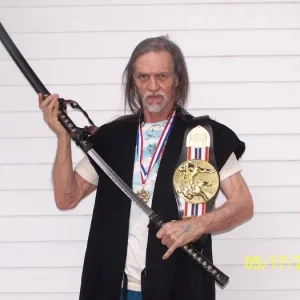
(63, 177)
(69, 186)
(237, 209)
(228, 216)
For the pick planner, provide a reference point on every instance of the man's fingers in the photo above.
(173, 238)
(55, 109)
(45, 102)
(161, 232)
(50, 109)
(52, 104)
(165, 240)
(168, 240)
(170, 250)
(40, 99)
(174, 242)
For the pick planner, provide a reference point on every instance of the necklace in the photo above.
(142, 193)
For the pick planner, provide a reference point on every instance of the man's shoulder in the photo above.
(217, 126)
(113, 131)
(119, 123)
(226, 140)
(126, 119)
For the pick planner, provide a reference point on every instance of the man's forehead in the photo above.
(154, 62)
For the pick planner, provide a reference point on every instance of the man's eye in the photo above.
(162, 76)
(143, 76)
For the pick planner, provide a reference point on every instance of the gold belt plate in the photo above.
(196, 181)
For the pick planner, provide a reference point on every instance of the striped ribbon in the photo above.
(163, 138)
(189, 208)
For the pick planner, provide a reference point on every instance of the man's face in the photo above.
(155, 80)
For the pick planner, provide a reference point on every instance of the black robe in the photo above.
(176, 278)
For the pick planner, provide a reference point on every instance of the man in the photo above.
(126, 259)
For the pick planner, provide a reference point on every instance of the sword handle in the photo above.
(220, 277)
(79, 135)
(206, 265)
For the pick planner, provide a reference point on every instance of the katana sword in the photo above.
(81, 136)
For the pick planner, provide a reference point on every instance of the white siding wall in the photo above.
(244, 64)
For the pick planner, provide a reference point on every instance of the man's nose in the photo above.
(153, 84)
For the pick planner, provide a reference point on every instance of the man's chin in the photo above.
(154, 108)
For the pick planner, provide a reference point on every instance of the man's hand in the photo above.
(49, 107)
(178, 233)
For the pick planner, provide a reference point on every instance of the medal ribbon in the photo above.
(163, 138)
(189, 208)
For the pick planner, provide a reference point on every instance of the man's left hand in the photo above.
(178, 233)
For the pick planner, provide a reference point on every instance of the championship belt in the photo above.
(196, 181)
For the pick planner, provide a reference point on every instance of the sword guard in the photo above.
(156, 220)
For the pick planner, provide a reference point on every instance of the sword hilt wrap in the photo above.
(79, 135)
(206, 265)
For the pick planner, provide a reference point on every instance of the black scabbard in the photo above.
(79, 135)
(21, 62)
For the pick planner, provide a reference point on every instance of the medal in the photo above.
(142, 193)
(196, 181)
(145, 195)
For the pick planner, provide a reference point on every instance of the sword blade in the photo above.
(119, 182)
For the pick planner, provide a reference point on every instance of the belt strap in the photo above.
(193, 151)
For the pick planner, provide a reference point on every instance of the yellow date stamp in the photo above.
(259, 262)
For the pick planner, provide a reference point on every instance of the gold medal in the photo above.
(143, 195)
(196, 181)
(156, 152)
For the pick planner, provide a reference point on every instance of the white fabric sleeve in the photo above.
(231, 167)
(86, 170)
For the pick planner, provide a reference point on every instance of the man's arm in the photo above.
(237, 209)
(69, 186)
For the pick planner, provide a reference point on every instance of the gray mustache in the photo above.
(154, 94)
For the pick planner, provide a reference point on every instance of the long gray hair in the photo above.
(156, 44)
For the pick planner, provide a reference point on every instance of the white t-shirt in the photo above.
(138, 230)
